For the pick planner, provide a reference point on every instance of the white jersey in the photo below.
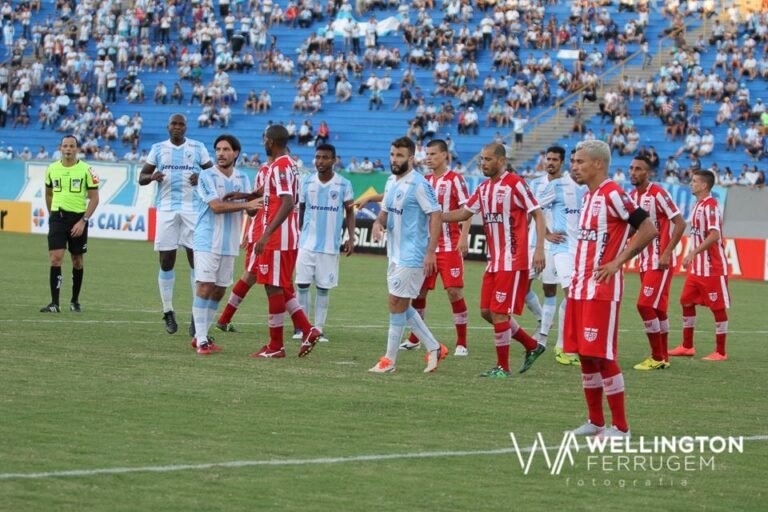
(561, 203)
(177, 163)
(219, 233)
(323, 212)
(537, 186)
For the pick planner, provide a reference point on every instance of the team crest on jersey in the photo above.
(713, 296)
(590, 334)
(647, 291)
(500, 297)
(442, 189)
(596, 206)
(263, 269)
(399, 195)
(455, 272)
(334, 195)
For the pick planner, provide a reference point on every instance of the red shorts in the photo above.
(276, 267)
(450, 266)
(591, 328)
(709, 291)
(504, 292)
(654, 289)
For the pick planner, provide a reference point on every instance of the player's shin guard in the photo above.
(460, 320)
(502, 335)
(533, 304)
(689, 323)
(397, 323)
(721, 330)
(200, 312)
(54, 279)
(663, 333)
(276, 314)
(417, 326)
(547, 316)
(652, 328)
(592, 382)
(613, 384)
(321, 307)
(236, 296)
(298, 315)
(420, 305)
(165, 281)
(520, 335)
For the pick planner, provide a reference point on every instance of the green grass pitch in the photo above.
(110, 389)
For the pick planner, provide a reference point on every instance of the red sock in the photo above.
(420, 305)
(613, 384)
(721, 330)
(663, 332)
(298, 316)
(523, 337)
(276, 314)
(502, 334)
(460, 320)
(651, 323)
(593, 391)
(236, 296)
(689, 321)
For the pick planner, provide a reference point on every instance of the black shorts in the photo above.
(518, 137)
(60, 226)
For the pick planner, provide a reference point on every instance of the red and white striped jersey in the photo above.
(504, 205)
(705, 217)
(451, 191)
(603, 232)
(281, 179)
(256, 227)
(659, 205)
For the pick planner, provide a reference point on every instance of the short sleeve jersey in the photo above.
(451, 191)
(561, 203)
(705, 217)
(219, 233)
(177, 163)
(70, 185)
(659, 205)
(323, 212)
(281, 179)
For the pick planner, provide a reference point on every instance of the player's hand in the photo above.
(360, 203)
(539, 262)
(463, 247)
(349, 248)
(235, 196)
(664, 260)
(78, 228)
(193, 179)
(260, 245)
(430, 264)
(255, 204)
(157, 176)
(378, 231)
(244, 243)
(604, 272)
(688, 260)
(555, 238)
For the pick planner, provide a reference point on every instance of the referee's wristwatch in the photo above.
(85, 219)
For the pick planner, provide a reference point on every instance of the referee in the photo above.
(67, 184)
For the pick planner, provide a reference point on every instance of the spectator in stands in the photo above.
(323, 134)
(161, 93)
(305, 133)
(707, 144)
(178, 94)
(343, 90)
(727, 179)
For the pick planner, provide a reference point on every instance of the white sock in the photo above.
(533, 304)
(213, 306)
(165, 281)
(200, 312)
(561, 321)
(321, 307)
(304, 299)
(420, 329)
(192, 281)
(548, 315)
(397, 323)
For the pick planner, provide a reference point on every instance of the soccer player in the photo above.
(504, 201)
(412, 218)
(707, 281)
(657, 261)
(175, 165)
(217, 236)
(451, 191)
(594, 297)
(325, 199)
(532, 301)
(276, 250)
(560, 201)
(71, 196)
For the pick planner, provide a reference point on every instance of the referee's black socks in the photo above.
(55, 282)
(77, 282)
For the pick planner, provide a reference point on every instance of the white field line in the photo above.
(283, 462)
(436, 327)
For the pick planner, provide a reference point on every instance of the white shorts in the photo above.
(532, 274)
(319, 267)
(404, 282)
(173, 229)
(559, 269)
(214, 268)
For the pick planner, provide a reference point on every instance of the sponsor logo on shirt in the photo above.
(493, 218)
